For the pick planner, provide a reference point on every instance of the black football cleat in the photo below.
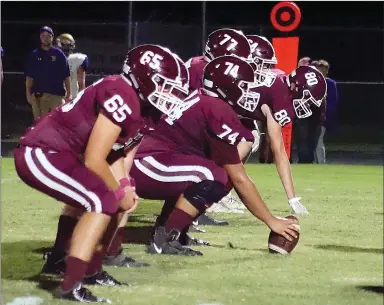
(53, 265)
(121, 260)
(186, 240)
(101, 278)
(163, 243)
(204, 220)
(78, 294)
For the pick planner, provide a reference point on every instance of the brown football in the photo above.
(279, 244)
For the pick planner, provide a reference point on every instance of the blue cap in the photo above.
(46, 29)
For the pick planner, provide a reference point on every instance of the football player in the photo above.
(194, 157)
(219, 43)
(65, 155)
(281, 100)
(78, 62)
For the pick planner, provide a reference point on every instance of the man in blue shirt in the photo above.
(46, 74)
(331, 107)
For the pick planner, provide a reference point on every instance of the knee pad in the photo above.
(203, 194)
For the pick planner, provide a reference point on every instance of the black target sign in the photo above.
(285, 16)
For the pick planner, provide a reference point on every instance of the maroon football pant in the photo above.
(62, 176)
(165, 176)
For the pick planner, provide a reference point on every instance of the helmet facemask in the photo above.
(303, 106)
(168, 93)
(263, 70)
(249, 99)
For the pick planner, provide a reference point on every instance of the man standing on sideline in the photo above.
(330, 112)
(46, 74)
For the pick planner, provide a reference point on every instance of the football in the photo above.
(279, 244)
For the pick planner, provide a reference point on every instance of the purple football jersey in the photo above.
(68, 128)
(279, 99)
(204, 126)
(196, 67)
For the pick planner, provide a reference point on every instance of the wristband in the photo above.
(119, 193)
(125, 182)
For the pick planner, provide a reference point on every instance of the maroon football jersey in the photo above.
(68, 127)
(196, 67)
(279, 99)
(205, 126)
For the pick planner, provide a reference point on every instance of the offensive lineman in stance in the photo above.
(194, 157)
(219, 43)
(64, 155)
(281, 99)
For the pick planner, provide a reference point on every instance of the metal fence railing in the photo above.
(355, 56)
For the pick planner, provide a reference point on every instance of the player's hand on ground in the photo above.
(284, 227)
(297, 207)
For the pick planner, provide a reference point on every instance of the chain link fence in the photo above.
(359, 73)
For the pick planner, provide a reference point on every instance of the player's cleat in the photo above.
(218, 208)
(101, 278)
(53, 266)
(121, 260)
(195, 228)
(229, 204)
(78, 294)
(232, 202)
(186, 240)
(163, 243)
(204, 220)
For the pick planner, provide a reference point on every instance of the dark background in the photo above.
(350, 35)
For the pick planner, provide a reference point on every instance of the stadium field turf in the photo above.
(338, 261)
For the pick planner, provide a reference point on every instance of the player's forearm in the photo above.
(250, 196)
(81, 79)
(118, 169)
(103, 170)
(284, 169)
(128, 160)
(28, 85)
(81, 84)
(67, 84)
(244, 148)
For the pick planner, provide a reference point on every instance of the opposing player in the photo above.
(64, 155)
(194, 157)
(78, 62)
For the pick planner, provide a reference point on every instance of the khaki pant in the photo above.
(320, 156)
(46, 103)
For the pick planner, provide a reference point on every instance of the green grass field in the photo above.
(340, 250)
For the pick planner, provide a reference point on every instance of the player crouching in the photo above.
(64, 155)
(199, 148)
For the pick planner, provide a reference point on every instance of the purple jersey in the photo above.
(196, 67)
(205, 126)
(279, 99)
(68, 128)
